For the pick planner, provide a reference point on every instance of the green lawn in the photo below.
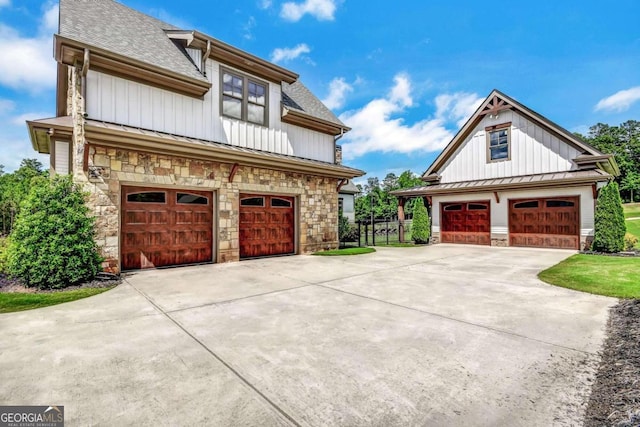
(597, 274)
(17, 301)
(631, 210)
(345, 251)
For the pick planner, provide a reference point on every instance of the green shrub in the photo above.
(630, 242)
(609, 220)
(52, 242)
(4, 242)
(421, 224)
(347, 231)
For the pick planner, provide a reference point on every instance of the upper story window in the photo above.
(244, 98)
(498, 141)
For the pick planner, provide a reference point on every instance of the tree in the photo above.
(52, 243)
(624, 143)
(609, 220)
(14, 187)
(421, 225)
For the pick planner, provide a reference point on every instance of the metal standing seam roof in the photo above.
(112, 26)
(233, 148)
(515, 181)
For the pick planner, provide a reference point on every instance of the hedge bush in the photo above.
(421, 224)
(609, 220)
(52, 241)
(4, 242)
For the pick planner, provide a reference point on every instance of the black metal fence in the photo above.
(381, 232)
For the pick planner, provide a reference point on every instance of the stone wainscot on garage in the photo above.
(191, 150)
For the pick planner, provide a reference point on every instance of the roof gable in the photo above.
(492, 106)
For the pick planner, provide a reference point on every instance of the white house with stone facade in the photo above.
(511, 177)
(191, 149)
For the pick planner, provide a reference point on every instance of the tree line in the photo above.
(623, 142)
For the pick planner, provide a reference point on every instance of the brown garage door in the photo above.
(545, 222)
(165, 227)
(465, 222)
(266, 225)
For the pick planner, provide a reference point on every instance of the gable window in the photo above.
(243, 98)
(498, 142)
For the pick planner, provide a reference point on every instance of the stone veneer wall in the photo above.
(317, 201)
(109, 168)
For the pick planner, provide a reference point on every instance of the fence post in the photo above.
(373, 232)
(359, 235)
(366, 234)
(386, 225)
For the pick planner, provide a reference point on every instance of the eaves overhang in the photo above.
(227, 54)
(301, 119)
(41, 131)
(71, 52)
(119, 136)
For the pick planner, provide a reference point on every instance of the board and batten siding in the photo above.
(533, 150)
(500, 211)
(61, 157)
(116, 100)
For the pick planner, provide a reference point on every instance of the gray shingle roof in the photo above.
(296, 96)
(112, 26)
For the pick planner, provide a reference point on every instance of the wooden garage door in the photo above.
(165, 227)
(266, 225)
(465, 222)
(545, 222)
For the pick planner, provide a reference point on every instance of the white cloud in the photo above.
(248, 28)
(338, 90)
(6, 106)
(376, 127)
(4, 3)
(27, 62)
(264, 4)
(619, 101)
(22, 118)
(289, 53)
(50, 20)
(322, 10)
(458, 106)
(401, 91)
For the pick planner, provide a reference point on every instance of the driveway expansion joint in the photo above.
(453, 319)
(226, 364)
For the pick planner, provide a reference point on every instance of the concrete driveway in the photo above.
(433, 336)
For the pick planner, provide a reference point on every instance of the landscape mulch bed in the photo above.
(615, 396)
(102, 280)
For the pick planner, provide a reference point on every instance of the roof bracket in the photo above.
(497, 196)
(234, 169)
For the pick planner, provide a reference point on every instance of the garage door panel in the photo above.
(266, 225)
(163, 227)
(466, 223)
(545, 222)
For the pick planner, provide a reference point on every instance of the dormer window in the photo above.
(498, 141)
(243, 98)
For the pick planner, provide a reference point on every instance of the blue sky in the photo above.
(404, 75)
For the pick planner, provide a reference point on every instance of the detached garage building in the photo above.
(511, 177)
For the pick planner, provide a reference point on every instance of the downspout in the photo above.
(205, 57)
(83, 74)
(335, 140)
